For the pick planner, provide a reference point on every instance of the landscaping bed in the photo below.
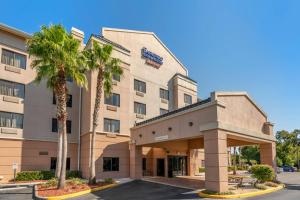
(43, 191)
(73, 187)
(263, 182)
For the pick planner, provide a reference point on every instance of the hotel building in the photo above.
(152, 125)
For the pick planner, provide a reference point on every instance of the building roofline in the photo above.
(183, 76)
(15, 31)
(174, 112)
(240, 93)
(149, 33)
(102, 38)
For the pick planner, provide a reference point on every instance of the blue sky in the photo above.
(249, 45)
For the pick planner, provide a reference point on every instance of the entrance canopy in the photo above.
(225, 119)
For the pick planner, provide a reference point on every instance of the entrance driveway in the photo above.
(189, 182)
(23, 193)
(141, 190)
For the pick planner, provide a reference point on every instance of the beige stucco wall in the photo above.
(106, 146)
(25, 153)
(37, 105)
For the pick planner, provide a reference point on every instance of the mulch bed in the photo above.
(33, 181)
(69, 189)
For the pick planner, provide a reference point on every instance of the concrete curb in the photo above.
(250, 194)
(71, 195)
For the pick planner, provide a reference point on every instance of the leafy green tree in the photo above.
(99, 58)
(57, 57)
(250, 153)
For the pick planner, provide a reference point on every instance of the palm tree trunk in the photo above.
(61, 183)
(234, 160)
(92, 171)
(61, 91)
(59, 155)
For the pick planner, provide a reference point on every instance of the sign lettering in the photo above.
(152, 58)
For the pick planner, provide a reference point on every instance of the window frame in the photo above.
(137, 88)
(14, 83)
(54, 128)
(110, 100)
(164, 94)
(114, 167)
(11, 121)
(116, 77)
(69, 102)
(190, 97)
(164, 110)
(14, 58)
(135, 107)
(53, 161)
(110, 125)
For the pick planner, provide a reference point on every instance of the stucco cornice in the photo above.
(234, 129)
(201, 106)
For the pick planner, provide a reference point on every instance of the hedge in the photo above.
(262, 173)
(43, 175)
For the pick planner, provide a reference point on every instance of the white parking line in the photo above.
(13, 188)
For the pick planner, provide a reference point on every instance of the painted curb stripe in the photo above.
(250, 194)
(80, 193)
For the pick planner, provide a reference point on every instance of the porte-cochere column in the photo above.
(268, 154)
(216, 161)
(136, 171)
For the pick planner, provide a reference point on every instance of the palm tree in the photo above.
(99, 58)
(57, 57)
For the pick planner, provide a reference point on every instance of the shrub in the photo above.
(271, 184)
(231, 168)
(75, 181)
(47, 175)
(29, 176)
(53, 182)
(201, 169)
(43, 175)
(262, 173)
(73, 174)
(245, 167)
(260, 186)
(253, 162)
(217, 193)
(109, 180)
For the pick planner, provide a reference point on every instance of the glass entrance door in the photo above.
(177, 166)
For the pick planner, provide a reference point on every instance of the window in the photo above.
(9, 88)
(113, 100)
(111, 125)
(11, 120)
(13, 59)
(164, 94)
(139, 86)
(163, 111)
(110, 164)
(53, 163)
(55, 126)
(139, 108)
(69, 100)
(187, 99)
(116, 77)
(144, 164)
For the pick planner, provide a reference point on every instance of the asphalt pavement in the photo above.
(142, 190)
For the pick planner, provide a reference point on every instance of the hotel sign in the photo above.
(152, 58)
(160, 138)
